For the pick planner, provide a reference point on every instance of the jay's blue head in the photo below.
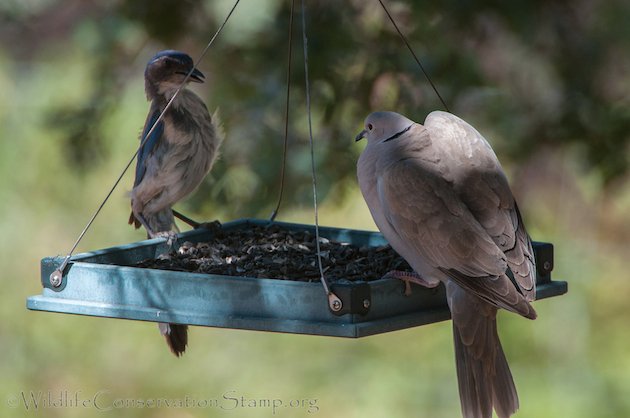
(166, 71)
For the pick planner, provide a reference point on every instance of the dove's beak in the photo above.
(360, 136)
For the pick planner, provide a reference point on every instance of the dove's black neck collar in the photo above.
(399, 133)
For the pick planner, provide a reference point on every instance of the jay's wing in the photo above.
(147, 145)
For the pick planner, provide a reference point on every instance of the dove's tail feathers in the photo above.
(176, 336)
(483, 374)
(504, 394)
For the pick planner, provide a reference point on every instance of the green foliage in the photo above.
(535, 73)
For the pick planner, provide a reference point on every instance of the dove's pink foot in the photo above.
(411, 277)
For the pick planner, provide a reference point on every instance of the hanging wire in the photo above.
(310, 137)
(286, 117)
(56, 276)
(333, 301)
(414, 55)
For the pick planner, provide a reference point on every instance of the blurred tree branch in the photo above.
(531, 73)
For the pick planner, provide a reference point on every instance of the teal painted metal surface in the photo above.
(101, 283)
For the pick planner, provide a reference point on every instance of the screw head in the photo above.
(56, 278)
(336, 305)
(366, 303)
(547, 266)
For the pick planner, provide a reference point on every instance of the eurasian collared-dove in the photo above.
(440, 197)
(175, 158)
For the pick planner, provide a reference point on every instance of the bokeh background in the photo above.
(547, 82)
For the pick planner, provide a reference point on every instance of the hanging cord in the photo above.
(57, 275)
(333, 301)
(414, 56)
(286, 117)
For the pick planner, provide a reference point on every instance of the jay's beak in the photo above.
(197, 76)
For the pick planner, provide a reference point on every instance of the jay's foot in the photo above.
(212, 226)
(196, 225)
(171, 237)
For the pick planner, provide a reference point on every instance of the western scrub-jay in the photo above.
(175, 158)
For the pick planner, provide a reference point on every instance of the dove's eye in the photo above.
(370, 127)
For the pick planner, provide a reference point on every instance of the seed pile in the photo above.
(278, 253)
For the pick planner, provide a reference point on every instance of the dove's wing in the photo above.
(427, 215)
(481, 184)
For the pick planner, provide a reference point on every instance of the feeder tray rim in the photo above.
(96, 284)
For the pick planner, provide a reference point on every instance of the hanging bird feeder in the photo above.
(104, 283)
(116, 283)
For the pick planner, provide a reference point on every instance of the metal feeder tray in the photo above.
(100, 283)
